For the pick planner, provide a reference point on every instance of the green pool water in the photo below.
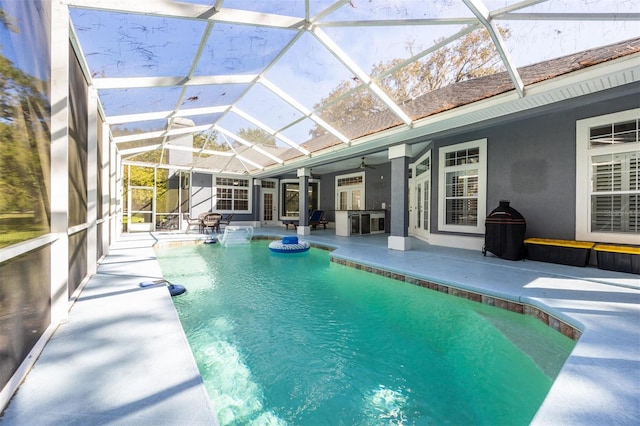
(296, 339)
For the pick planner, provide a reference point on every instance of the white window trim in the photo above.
(214, 196)
(583, 176)
(361, 186)
(413, 204)
(481, 144)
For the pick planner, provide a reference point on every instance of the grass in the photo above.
(18, 227)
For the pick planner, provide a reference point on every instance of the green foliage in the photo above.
(257, 136)
(24, 153)
(141, 176)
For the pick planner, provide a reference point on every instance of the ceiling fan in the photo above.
(364, 165)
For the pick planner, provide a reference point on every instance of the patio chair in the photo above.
(317, 218)
(194, 221)
(226, 219)
(212, 220)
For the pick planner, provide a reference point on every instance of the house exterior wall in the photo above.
(376, 186)
(201, 187)
(531, 162)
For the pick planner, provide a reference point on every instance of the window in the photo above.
(350, 192)
(608, 178)
(462, 187)
(232, 195)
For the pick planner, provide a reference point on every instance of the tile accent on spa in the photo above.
(520, 308)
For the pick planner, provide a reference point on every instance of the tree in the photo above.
(24, 146)
(257, 136)
(472, 56)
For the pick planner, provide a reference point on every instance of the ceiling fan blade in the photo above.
(365, 165)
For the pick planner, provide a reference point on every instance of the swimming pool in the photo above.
(296, 339)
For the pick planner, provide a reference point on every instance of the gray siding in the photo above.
(531, 162)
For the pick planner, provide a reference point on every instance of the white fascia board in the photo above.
(175, 9)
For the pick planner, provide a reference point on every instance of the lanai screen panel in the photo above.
(274, 81)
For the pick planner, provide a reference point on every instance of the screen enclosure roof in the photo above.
(261, 88)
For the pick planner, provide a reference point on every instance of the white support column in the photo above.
(106, 189)
(257, 202)
(92, 181)
(59, 161)
(115, 179)
(303, 205)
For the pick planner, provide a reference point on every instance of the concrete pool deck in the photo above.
(122, 357)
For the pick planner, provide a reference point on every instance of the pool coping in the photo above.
(599, 383)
